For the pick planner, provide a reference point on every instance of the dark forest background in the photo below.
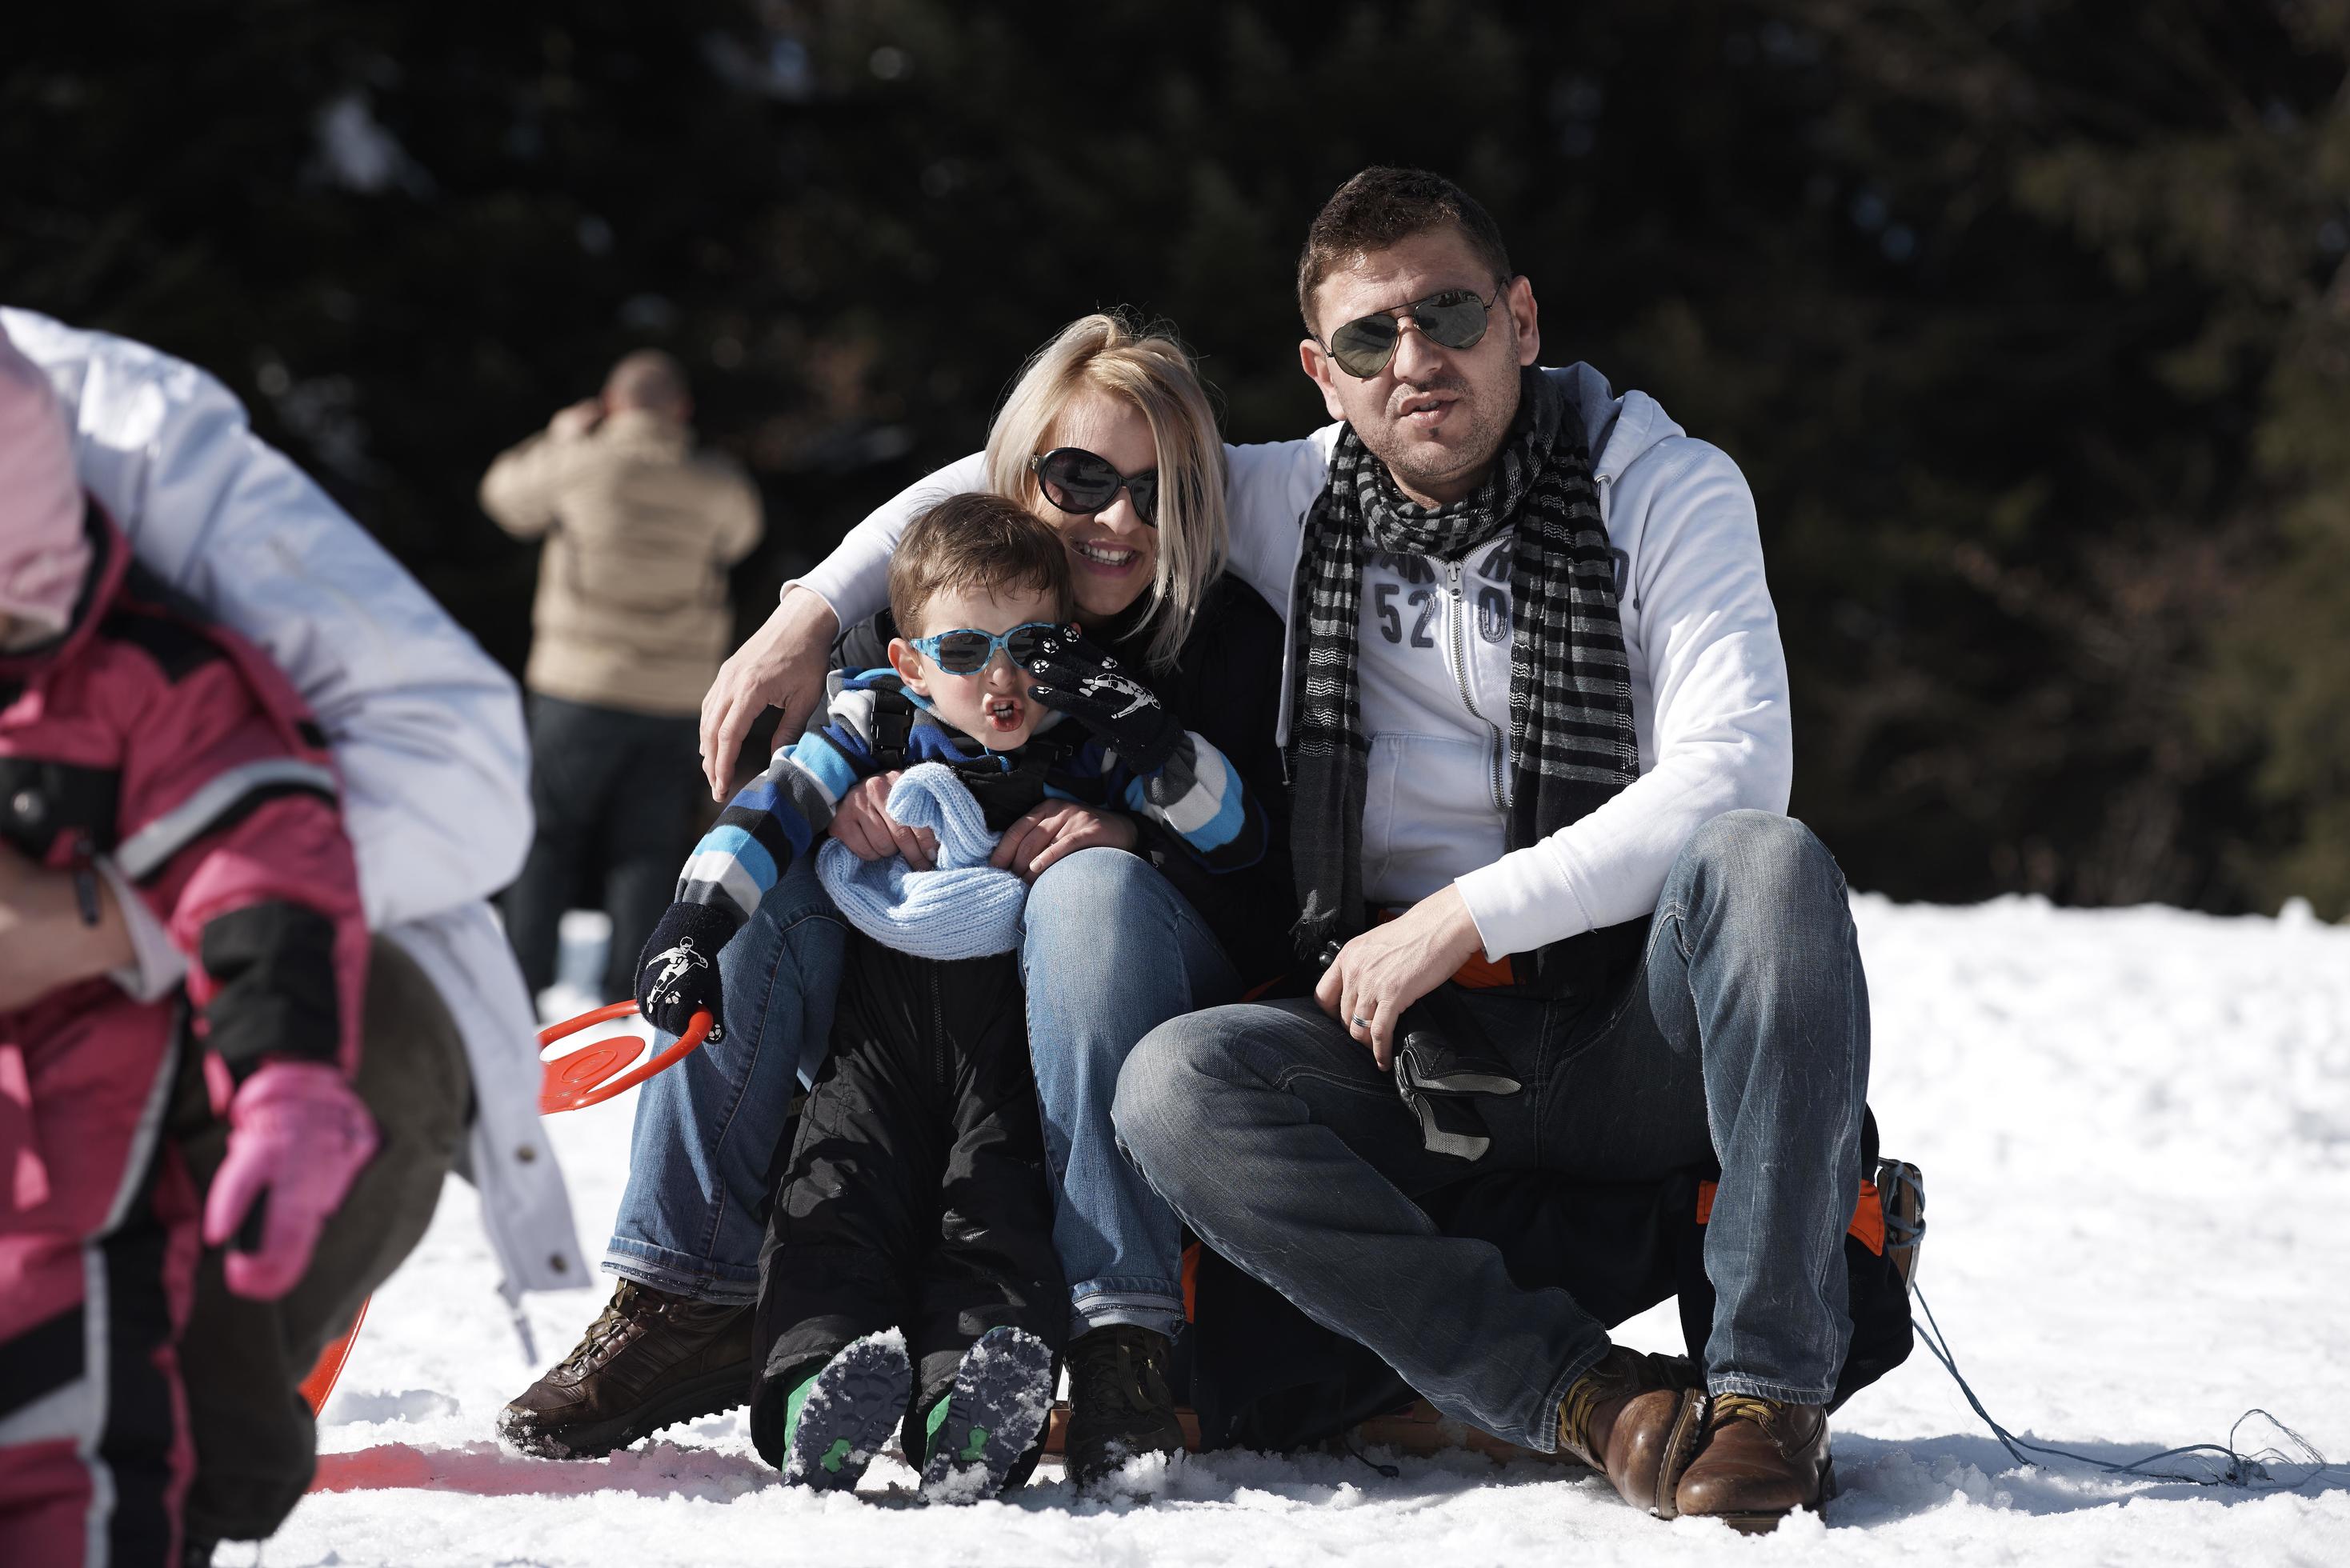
(2030, 321)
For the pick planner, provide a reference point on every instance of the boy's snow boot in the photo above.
(650, 1360)
(1760, 1460)
(1635, 1419)
(991, 1417)
(836, 1422)
(1119, 1405)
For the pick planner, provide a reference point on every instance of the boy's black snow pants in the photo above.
(915, 1194)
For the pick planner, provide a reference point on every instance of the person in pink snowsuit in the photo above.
(139, 741)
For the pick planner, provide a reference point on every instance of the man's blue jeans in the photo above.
(1743, 1035)
(1111, 950)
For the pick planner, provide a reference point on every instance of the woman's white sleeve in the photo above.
(855, 579)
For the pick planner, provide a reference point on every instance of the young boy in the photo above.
(908, 1274)
(164, 762)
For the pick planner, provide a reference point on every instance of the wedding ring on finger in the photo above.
(1360, 1022)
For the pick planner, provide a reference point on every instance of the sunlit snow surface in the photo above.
(2134, 1128)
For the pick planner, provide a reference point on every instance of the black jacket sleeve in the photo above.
(1227, 687)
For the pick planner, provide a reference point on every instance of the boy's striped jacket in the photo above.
(1194, 801)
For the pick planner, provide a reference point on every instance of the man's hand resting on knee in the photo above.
(1390, 967)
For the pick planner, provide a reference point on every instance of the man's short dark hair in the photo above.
(977, 541)
(1381, 207)
(648, 379)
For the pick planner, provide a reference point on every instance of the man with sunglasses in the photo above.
(1537, 724)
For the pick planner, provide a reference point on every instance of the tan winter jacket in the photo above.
(632, 610)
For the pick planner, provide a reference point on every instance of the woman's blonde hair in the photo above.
(1148, 367)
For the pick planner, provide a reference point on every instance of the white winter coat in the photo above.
(427, 729)
(1709, 679)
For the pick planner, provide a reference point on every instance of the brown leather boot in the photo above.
(650, 1360)
(1635, 1418)
(1760, 1460)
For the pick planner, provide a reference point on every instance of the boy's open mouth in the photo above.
(1003, 714)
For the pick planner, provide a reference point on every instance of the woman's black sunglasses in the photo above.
(1454, 318)
(1081, 483)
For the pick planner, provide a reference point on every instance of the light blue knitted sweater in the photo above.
(965, 908)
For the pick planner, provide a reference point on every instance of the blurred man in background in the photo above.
(631, 621)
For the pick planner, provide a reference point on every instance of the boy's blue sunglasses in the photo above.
(967, 652)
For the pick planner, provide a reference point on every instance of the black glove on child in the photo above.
(1076, 678)
(677, 974)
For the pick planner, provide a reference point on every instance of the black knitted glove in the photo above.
(1078, 678)
(677, 974)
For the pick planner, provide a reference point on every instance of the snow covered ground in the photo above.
(2134, 1128)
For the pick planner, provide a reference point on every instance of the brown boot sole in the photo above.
(1765, 1523)
(711, 1394)
(1680, 1447)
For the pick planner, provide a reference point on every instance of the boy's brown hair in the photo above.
(1382, 206)
(974, 541)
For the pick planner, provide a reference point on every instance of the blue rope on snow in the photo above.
(2246, 1472)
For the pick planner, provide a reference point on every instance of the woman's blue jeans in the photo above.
(699, 1158)
(1111, 951)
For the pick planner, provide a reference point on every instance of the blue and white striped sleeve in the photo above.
(779, 814)
(1198, 796)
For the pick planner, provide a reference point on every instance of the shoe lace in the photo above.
(1575, 1411)
(1116, 1372)
(1728, 1407)
(611, 1328)
(1619, 1374)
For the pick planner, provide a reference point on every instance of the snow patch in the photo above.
(354, 1406)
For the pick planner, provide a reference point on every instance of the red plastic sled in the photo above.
(587, 1077)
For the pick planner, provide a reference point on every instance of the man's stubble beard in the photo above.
(1488, 427)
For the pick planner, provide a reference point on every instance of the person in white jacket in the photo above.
(427, 735)
(1537, 720)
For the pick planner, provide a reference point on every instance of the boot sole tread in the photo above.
(1006, 1394)
(1763, 1521)
(708, 1394)
(858, 1399)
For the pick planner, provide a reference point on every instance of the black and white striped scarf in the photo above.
(1571, 735)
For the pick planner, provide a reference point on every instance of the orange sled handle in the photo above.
(582, 1077)
(600, 1069)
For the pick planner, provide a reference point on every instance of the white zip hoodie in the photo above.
(1709, 679)
(427, 730)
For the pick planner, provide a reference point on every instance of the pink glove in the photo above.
(298, 1135)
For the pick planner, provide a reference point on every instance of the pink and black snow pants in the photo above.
(97, 1257)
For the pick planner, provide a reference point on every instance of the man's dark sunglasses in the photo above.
(1454, 318)
(967, 652)
(1081, 483)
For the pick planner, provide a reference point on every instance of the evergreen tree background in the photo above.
(2029, 319)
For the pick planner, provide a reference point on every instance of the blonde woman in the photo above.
(1108, 435)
